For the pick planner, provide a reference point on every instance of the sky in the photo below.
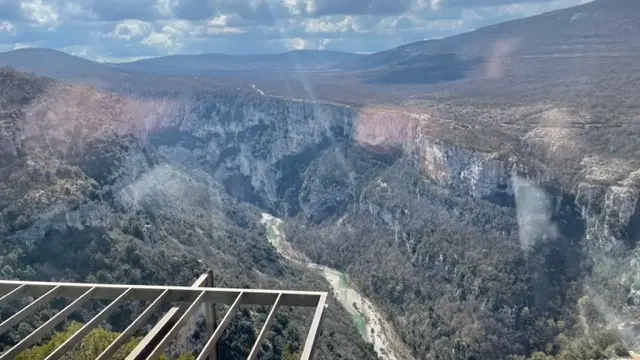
(125, 30)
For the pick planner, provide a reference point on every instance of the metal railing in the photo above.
(200, 295)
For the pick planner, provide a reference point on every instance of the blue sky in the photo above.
(121, 30)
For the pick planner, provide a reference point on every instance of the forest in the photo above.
(454, 275)
(72, 210)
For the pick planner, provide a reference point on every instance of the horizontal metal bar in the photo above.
(131, 329)
(80, 334)
(178, 293)
(46, 327)
(29, 309)
(313, 329)
(176, 328)
(263, 333)
(192, 297)
(213, 340)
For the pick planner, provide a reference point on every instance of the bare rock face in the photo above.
(255, 145)
(608, 206)
(479, 174)
(276, 153)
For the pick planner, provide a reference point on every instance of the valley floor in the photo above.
(370, 322)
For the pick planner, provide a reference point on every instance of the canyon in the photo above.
(477, 196)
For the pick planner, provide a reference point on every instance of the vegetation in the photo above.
(86, 200)
(85, 197)
(89, 348)
(429, 258)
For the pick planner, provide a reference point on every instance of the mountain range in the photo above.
(599, 29)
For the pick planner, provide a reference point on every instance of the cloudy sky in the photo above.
(120, 30)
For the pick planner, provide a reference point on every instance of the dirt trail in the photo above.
(373, 327)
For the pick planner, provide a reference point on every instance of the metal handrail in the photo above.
(167, 328)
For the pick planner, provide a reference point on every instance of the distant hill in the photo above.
(61, 65)
(53, 63)
(198, 64)
(599, 40)
(608, 29)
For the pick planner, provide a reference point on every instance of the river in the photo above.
(371, 324)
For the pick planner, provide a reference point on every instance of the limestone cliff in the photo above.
(260, 147)
(256, 146)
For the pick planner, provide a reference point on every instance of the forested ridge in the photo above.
(82, 202)
(453, 274)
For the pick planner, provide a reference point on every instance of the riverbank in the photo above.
(373, 327)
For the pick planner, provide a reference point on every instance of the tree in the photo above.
(89, 348)
(289, 354)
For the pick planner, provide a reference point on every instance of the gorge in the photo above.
(481, 193)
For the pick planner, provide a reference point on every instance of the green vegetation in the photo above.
(84, 198)
(602, 346)
(448, 290)
(79, 202)
(89, 348)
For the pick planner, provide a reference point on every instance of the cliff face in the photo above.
(610, 211)
(99, 187)
(258, 147)
(278, 153)
(324, 160)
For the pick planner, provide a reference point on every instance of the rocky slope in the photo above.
(259, 147)
(86, 197)
(322, 162)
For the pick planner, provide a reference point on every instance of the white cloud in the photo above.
(306, 44)
(218, 25)
(435, 4)
(6, 26)
(212, 30)
(323, 44)
(324, 25)
(89, 53)
(164, 7)
(292, 6)
(219, 21)
(178, 25)
(39, 12)
(128, 29)
(77, 10)
(21, 46)
(169, 38)
(299, 44)
(310, 6)
(82, 51)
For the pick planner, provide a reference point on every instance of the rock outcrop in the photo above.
(260, 147)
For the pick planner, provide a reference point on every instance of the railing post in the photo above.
(211, 319)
